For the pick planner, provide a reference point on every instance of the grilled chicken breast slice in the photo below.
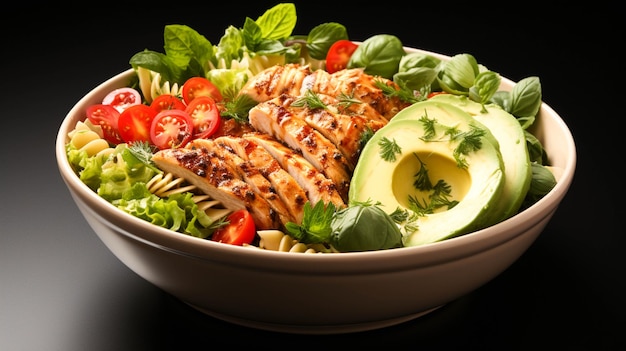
(346, 132)
(359, 85)
(273, 119)
(292, 194)
(275, 81)
(250, 174)
(204, 168)
(315, 184)
(295, 79)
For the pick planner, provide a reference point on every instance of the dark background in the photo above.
(61, 289)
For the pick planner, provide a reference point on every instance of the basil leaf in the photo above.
(485, 85)
(322, 37)
(378, 55)
(157, 62)
(459, 73)
(278, 22)
(526, 97)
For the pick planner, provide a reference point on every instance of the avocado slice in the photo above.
(421, 145)
(511, 138)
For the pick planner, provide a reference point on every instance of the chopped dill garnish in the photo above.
(143, 151)
(238, 108)
(310, 100)
(389, 149)
(422, 180)
(345, 100)
(429, 127)
(366, 135)
(403, 94)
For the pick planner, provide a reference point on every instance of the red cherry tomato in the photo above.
(339, 54)
(205, 115)
(167, 102)
(122, 98)
(105, 116)
(435, 93)
(200, 86)
(239, 230)
(134, 123)
(171, 129)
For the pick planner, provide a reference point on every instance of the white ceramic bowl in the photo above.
(319, 293)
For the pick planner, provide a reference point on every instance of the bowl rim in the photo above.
(202, 249)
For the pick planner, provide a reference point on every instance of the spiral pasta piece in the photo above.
(88, 138)
(166, 184)
(276, 240)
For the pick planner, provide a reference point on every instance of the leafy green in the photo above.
(120, 172)
(379, 55)
(322, 37)
(315, 227)
(178, 212)
(241, 52)
(541, 183)
(364, 226)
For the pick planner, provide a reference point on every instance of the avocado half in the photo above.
(422, 134)
(512, 141)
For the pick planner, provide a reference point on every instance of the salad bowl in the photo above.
(317, 293)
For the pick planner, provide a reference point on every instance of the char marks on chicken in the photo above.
(292, 151)
(213, 175)
(272, 118)
(293, 195)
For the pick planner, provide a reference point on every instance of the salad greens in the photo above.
(241, 53)
(362, 226)
(121, 178)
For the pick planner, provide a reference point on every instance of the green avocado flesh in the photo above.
(512, 141)
(427, 137)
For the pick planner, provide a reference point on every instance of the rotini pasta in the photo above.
(88, 137)
(276, 240)
(151, 85)
(165, 184)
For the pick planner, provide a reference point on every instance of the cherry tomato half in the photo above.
(167, 102)
(171, 129)
(105, 116)
(122, 98)
(205, 115)
(200, 86)
(239, 230)
(435, 93)
(134, 123)
(339, 55)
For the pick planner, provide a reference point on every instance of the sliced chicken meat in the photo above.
(204, 168)
(250, 174)
(294, 79)
(315, 184)
(275, 81)
(346, 132)
(273, 119)
(291, 193)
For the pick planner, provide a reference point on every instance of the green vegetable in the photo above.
(462, 75)
(241, 52)
(120, 172)
(364, 226)
(541, 183)
(378, 55)
(315, 227)
(417, 71)
(178, 212)
(361, 226)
